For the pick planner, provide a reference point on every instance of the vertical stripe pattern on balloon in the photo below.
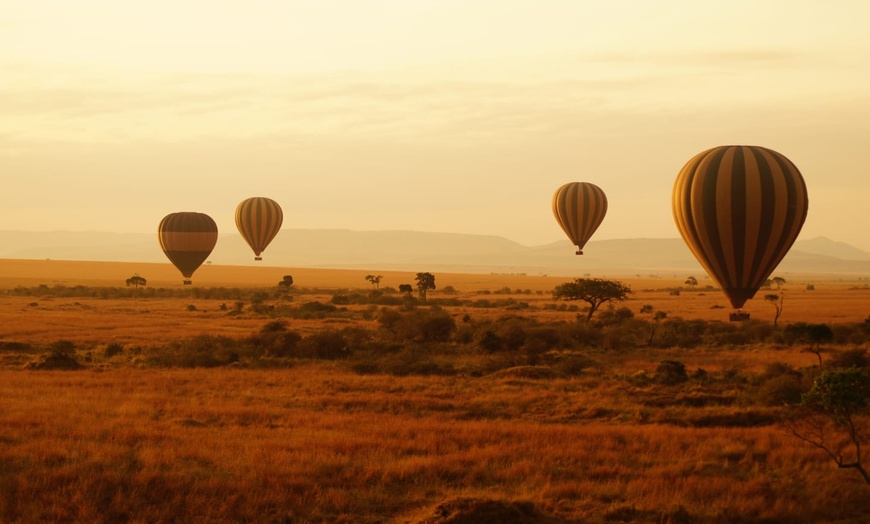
(739, 209)
(259, 220)
(579, 208)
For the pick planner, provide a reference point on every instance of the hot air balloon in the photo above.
(739, 209)
(259, 220)
(579, 208)
(187, 238)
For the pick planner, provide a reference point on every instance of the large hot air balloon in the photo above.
(187, 238)
(259, 220)
(739, 209)
(579, 208)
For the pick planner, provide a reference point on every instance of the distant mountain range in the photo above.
(421, 251)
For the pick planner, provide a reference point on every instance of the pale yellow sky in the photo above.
(455, 116)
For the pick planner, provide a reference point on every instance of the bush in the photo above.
(61, 355)
(670, 372)
(421, 325)
(488, 341)
(200, 351)
(682, 333)
(275, 340)
(781, 390)
(328, 344)
(112, 349)
(850, 358)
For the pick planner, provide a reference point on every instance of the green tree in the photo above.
(593, 291)
(425, 282)
(375, 280)
(832, 416)
(776, 301)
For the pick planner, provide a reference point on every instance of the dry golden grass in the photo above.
(317, 444)
(148, 321)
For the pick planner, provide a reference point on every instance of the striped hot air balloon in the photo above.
(739, 209)
(259, 219)
(187, 238)
(579, 208)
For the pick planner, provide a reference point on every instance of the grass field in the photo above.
(492, 439)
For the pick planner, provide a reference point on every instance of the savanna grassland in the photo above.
(235, 401)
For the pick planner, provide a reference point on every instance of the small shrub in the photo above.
(61, 355)
(850, 358)
(113, 349)
(670, 372)
(327, 344)
(780, 390)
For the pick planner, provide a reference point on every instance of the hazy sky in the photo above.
(441, 115)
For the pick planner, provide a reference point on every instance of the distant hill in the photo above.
(423, 251)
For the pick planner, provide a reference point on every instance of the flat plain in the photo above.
(320, 440)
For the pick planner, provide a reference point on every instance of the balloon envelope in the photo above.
(187, 238)
(579, 208)
(739, 209)
(259, 219)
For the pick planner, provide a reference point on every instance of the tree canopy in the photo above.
(593, 291)
(839, 397)
(136, 281)
(425, 282)
(286, 282)
(375, 280)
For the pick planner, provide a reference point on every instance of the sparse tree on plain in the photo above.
(776, 301)
(375, 280)
(691, 282)
(657, 316)
(593, 291)
(136, 281)
(779, 281)
(406, 288)
(425, 282)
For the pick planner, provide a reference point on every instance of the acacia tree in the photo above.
(425, 282)
(832, 416)
(136, 281)
(593, 291)
(406, 288)
(776, 301)
(779, 281)
(691, 282)
(812, 334)
(375, 280)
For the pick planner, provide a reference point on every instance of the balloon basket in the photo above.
(187, 282)
(738, 316)
(258, 258)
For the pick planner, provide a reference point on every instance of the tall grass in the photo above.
(315, 443)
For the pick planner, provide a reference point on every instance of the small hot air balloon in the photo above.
(579, 208)
(187, 238)
(259, 219)
(739, 209)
